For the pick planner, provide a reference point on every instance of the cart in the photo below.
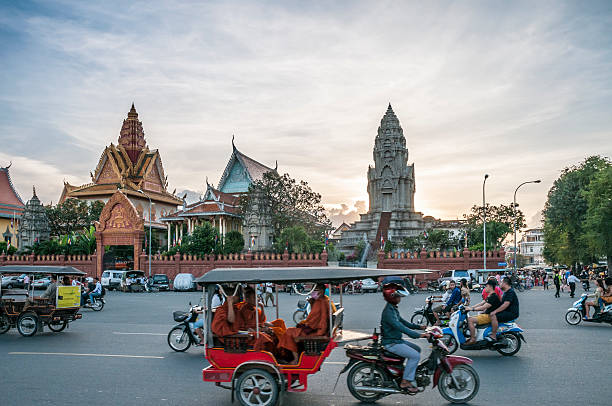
(21, 309)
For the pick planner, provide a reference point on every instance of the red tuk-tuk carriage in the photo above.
(257, 377)
(20, 308)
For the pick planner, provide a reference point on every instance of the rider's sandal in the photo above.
(409, 388)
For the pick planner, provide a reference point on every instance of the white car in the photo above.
(184, 282)
(368, 285)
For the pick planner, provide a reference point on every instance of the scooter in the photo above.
(424, 315)
(183, 335)
(98, 302)
(509, 335)
(374, 373)
(577, 312)
(302, 310)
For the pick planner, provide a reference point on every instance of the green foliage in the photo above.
(203, 240)
(413, 243)
(438, 239)
(297, 240)
(286, 203)
(76, 243)
(572, 233)
(500, 223)
(332, 252)
(234, 242)
(8, 251)
(389, 246)
(73, 215)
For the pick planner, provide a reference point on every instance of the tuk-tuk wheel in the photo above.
(5, 324)
(257, 387)
(58, 326)
(27, 324)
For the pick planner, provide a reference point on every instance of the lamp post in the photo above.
(150, 226)
(484, 222)
(514, 214)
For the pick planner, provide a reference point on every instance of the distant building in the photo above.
(34, 225)
(336, 235)
(531, 246)
(220, 206)
(11, 208)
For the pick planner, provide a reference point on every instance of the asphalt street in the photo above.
(120, 356)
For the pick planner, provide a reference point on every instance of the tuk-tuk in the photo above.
(20, 308)
(257, 376)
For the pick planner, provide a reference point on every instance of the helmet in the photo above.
(392, 291)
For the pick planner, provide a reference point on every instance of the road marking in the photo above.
(143, 334)
(334, 362)
(85, 355)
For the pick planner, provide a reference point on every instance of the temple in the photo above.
(11, 208)
(34, 223)
(391, 188)
(220, 205)
(135, 170)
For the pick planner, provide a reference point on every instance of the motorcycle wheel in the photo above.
(573, 317)
(58, 326)
(257, 387)
(419, 318)
(5, 324)
(27, 324)
(365, 374)
(178, 339)
(468, 381)
(97, 305)
(513, 344)
(450, 342)
(298, 316)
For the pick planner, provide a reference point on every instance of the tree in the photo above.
(234, 242)
(7, 249)
(285, 203)
(500, 223)
(438, 239)
(568, 234)
(202, 241)
(297, 240)
(598, 223)
(413, 243)
(73, 215)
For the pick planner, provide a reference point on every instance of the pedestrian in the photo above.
(557, 282)
(545, 280)
(26, 282)
(571, 280)
(269, 294)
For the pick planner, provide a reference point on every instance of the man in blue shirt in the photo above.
(392, 327)
(453, 300)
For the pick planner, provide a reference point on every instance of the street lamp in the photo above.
(484, 223)
(150, 226)
(514, 214)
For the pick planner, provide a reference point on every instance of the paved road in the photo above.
(559, 364)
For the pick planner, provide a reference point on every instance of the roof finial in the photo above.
(207, 184)
(34, 191)
(276, 165)
(133, 112)
(233, 146)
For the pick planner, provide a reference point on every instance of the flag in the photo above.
(382, 241)
(326, 238)
(425, 234)
(13, 221)
(252, 241)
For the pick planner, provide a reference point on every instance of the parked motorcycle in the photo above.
(577, 312)
(374, 373)
(509, 335)
(183, 335)
(424, 315)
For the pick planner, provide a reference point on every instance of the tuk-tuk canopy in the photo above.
(36, 269)
(299, 274)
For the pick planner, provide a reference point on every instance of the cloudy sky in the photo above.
(517, 90)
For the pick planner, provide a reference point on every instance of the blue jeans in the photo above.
(92, 295)
(411, 352)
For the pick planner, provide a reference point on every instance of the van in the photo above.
(115, 278)
(455, 275)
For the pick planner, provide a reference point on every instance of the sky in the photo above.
(517, 90)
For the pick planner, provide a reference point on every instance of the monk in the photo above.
(316, 324)
(233, 317)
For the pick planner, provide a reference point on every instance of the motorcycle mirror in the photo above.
(189, 303)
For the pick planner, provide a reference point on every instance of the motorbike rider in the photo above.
(509, 309)
(487, 306)
(454, 299)
(392, 328)
(599, 290)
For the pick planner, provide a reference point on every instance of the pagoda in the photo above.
(135, 170)
(34, 223)
(11, 208)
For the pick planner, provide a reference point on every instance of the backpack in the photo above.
(103, 291)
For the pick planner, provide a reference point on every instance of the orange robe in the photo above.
(317, 323)
(220, 326)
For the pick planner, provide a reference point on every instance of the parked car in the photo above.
(368, 285)
(112, 278)
(455, 275)
(41, 283)
(161, 281)
(14, 281)
(184, 282)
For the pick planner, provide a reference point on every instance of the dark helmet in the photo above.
(392, 291)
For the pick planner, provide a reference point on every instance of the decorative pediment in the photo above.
(119, 214)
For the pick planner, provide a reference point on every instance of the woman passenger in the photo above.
(599, 290)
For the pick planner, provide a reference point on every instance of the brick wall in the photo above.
(440, 261)
(85, 263)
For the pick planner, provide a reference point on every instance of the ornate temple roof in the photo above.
(252, 169)
(10, 201)
(389, 120)
(129, 166)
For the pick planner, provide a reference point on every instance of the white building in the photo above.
(531, 246)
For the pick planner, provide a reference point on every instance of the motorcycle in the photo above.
(424, 315)
(98, 302)
(183, 335)
(374, 373)
(302, 310)
(508, 342)
(576, 313)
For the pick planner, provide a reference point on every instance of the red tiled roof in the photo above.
(10, 201)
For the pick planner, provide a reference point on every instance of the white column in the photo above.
(169, 232)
